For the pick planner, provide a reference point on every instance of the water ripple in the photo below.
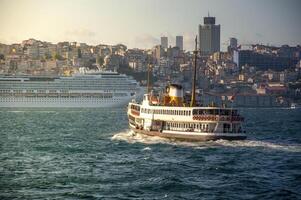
(90, 154)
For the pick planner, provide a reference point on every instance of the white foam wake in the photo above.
(131, 137)
(263, 144)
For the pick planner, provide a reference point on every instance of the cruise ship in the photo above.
(84, 89)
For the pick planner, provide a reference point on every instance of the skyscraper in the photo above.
(179, 42)
(233, 43)
(164, 42)
(209, 36)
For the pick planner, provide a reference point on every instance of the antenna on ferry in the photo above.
(192, 103)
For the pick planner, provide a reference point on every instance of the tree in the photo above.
(47, 56)
(57, 56)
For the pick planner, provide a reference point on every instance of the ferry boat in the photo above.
(84, 89)
(169, 116)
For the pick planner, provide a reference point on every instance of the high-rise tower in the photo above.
(164, 42)
(179, 42)
(209, 36)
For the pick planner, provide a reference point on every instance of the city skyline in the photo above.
(141, 23)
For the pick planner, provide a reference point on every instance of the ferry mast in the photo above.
(195, 52)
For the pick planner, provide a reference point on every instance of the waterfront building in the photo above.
(264, 61)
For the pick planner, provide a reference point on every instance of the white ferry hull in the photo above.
(190, 136)
(23, 102)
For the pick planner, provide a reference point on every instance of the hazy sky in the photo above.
(140, 23)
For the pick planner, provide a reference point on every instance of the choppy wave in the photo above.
(131, 137)
(85, 153)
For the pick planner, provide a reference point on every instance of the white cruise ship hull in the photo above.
(39, 102)
(88, 90)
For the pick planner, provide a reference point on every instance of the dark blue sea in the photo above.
(91, 154)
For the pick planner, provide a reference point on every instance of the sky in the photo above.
(141, 23)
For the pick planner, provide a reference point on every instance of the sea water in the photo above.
(91, 154)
